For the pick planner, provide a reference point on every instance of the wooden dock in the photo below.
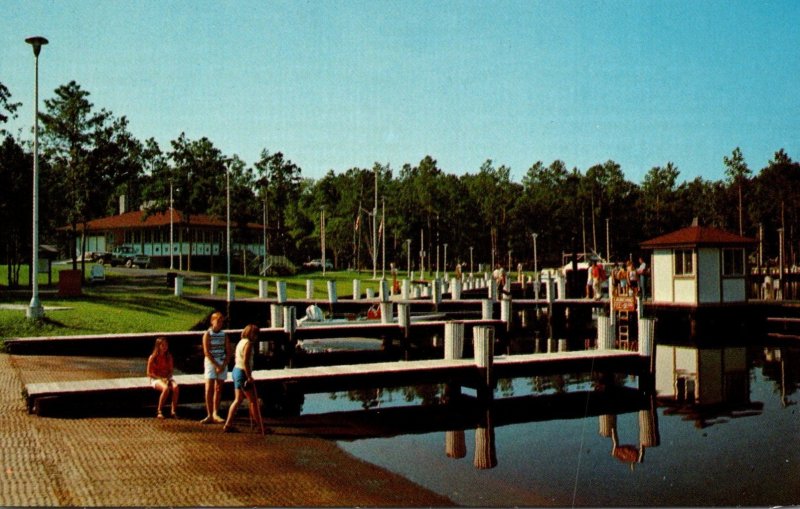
(135, 392)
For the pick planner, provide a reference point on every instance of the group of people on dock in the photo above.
(626, 279)
(217, 356)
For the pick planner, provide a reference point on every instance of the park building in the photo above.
(196, 242)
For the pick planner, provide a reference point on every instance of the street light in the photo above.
(408, 257)
(35, 310)
(470, 262)
(228, 220)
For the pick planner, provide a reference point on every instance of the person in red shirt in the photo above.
(160, 367)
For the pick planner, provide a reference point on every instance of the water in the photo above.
(724, 429)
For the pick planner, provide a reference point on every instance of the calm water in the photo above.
(723, 429)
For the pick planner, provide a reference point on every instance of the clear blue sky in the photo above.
(335, 85)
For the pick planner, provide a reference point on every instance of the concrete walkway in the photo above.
(124, 461)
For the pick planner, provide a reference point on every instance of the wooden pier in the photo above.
(91, 395)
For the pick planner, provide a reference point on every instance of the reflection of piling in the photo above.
(648, 426)
(485, 453)
(608, 423)
(455, 444)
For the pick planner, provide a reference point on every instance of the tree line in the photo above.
(89, 158)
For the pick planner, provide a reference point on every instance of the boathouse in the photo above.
(199, 236)
(698, 266)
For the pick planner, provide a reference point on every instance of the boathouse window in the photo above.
(683, 262)
(733, 262)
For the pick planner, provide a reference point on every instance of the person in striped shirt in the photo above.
(217, 352)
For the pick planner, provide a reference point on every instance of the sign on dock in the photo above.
(624, 303)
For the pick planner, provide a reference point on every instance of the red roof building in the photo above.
(698, 265)
(160, 234)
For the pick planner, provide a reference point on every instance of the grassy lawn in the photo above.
(129, 301)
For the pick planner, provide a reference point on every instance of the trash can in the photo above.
(171, 279)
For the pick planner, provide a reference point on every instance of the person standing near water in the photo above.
(216, 349)
(243, 381)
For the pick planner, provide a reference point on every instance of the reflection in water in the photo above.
(648, 436)
(485, 453)
(705, 385)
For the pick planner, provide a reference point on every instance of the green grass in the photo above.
(110, 308)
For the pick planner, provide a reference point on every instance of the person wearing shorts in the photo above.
(160, 367)
(243, 379)
(216, 351)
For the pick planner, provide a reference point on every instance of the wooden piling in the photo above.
(309, 289)
(214, 285)
(231, 294)
(263, 291)
(453, 340)
(332, 292)
(280, 289)
(276, 315)
(455, 444)
(356, 289)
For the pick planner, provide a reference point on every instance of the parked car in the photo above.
(127, 256)
(316, 264)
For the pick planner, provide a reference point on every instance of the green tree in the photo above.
(280, 180)
(658, 200)
(198, 169)
(70, 127)
(15, 206)
(738, 174)
(8, 109)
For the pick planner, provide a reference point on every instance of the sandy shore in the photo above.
(128, 461)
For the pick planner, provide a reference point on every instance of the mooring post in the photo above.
(455, 444)
(417, 291)
(370, 293)
(309, 289)
(493, 290)
(562, 345)
(276, 315)
(436, 292)
(453, 340)
(231, 296)
(214, 285)
(332, 292)
(505, 311)
(483, 346)
(289, 320)
(178, 285)
(405, 288)
(356, 289)
(562, 286)
(404, 317)
(263, 291)
(455, 289)
(605, 333)
(487, 309)
(387, 312)
(280, 288)
(384, 290)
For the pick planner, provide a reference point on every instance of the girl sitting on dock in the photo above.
(160, 367)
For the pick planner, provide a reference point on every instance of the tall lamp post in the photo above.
(408, 257)
(35, 310)
(470, 261)
(228, 220)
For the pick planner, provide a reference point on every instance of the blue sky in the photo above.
(335, 85)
